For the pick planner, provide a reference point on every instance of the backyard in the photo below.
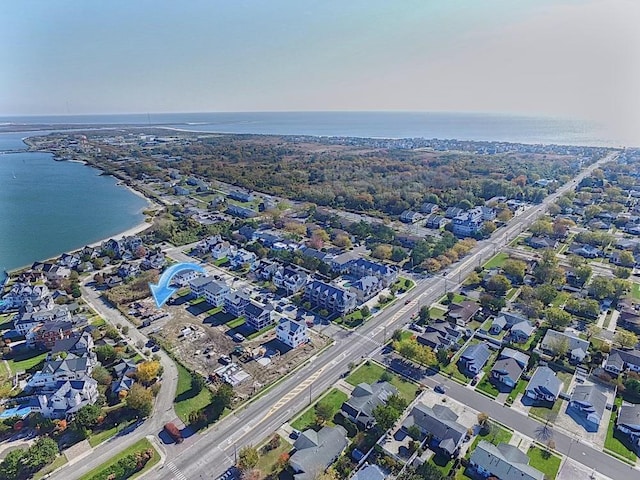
(333, 400)
(372, 372)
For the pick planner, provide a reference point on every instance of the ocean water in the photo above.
(461, 126)
(49, 207)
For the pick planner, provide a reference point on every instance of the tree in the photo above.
(473, 279)
(101, 375)
(385, 416)
(546, 293)
(626, 259)
(147, 371)
(106, 353)
(622, 272)
(364, 310)
(541, 227)
(601, 288)
(582, 274)
(44, 451)
(12, 464)
(557, 317)
(87, 416)
(483, 421)
(253, 474)
(498, 284)
(248, 458)
(514, 269)
(625, 338)
(197, 382)
(559, 346)
(140, 399)
(491, 302)
(561, 226)
(428, 471)
(398, 254)
(592, 330)
(383, 252)
(342, 241)
(442, 355)
(547, 270)
(425, 314)
(324, 412)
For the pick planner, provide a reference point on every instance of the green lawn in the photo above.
(98, 321)
(235, 323)
(262, 331)
(6, 321)
(498, 434)
(496, 261)
(25, 363)
(334, 399)
(612, 443)
(487, 387)
(100, 437)
(512, 293)
(57, 463)
(635, 291)
(184, 403)
(268, 460)
(453, 371)
(136, 447)
(519, 388)
(372, 372)
(545, 413)
(437, 313)
(547, 464)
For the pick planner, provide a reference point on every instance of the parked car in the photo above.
(173, 432)
(439, 388)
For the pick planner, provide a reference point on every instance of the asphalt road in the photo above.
(211, 453)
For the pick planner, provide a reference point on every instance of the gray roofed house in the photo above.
(590, 402)
(620, 360)
(544, 385)
(369, 472)
(474, 357)
(521, 332)
(439, 334)
(517, 355)
(628, 422)
(503, 461)
(315, 451)
(439, 422)
(364, 398)
(462, 313)
(578, 348)
(507, 371)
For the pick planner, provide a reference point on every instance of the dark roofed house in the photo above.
(503, 461)
(474, 357)
(439, 334)
(621, 360)
(462, 313)
(517, 355)
(364, 398)
(507, 371)
(542, 242)
(315, 451)
(590, 402)
(521, 332)
(577, 347)
(440, 423)
(544, 385)
(628, 422)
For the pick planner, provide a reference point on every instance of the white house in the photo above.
(215, 293)
(292, 333)
(67, 398)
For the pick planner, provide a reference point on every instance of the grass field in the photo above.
(519, 388)
(496, 261)
(100, 437)
(185, 402)
(372, 372)
(635, 291)
(235, 323)
(547, 464)
(487, 387)
(136, 447)
(57, 463)
(269, 459)
(497, 435)
(334, 399)
(25, 363)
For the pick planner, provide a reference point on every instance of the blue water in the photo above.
(461, 126)
(49, 207)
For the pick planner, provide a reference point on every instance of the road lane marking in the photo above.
(293, 393)
(176, 471)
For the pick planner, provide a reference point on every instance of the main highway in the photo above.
(210, 453)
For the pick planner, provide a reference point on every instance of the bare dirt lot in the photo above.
(201, 338)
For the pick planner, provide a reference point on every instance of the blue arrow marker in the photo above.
(162, 291)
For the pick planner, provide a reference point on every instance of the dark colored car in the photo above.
(439, 388)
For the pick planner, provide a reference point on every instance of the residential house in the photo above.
(66, 398)
(589, 402)
(507, 371)
(290, 279)
(341, 263)
(362, 267)
(621, 360)
(183, 278)
(128, 270)
(122, 384)
(468, 223)
(154, 260)
(292, 333)
(366, 287)
(178, 190)
(205, 245)
(79, 345)
(364, 399)
(521, 332)
(46, 334)
(438, 422)
(628, 422)
(502, 461)
(257, 316)
(462, 313)
(197, 284)
(235, 303)
(520, 357)
(243, 257)
(435, 221)
(241, 196)
(474, 358)
(544, 385)
(53, 371)
(221, 250)
(542, 242)
(215, 293)
(69, 260)
(315, 451)
(505, 321)
(586, 251)
(369, 472)
(440, 334)
(409, 216)
(329, 297)
(124, 368)
(429, 208)
(577, 348)
(453, 212)
(241, 212)
(27, 321)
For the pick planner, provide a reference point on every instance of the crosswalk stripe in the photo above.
(179, 475)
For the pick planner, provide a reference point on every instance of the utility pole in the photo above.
(310, 393)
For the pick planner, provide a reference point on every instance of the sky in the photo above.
(566, 58)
